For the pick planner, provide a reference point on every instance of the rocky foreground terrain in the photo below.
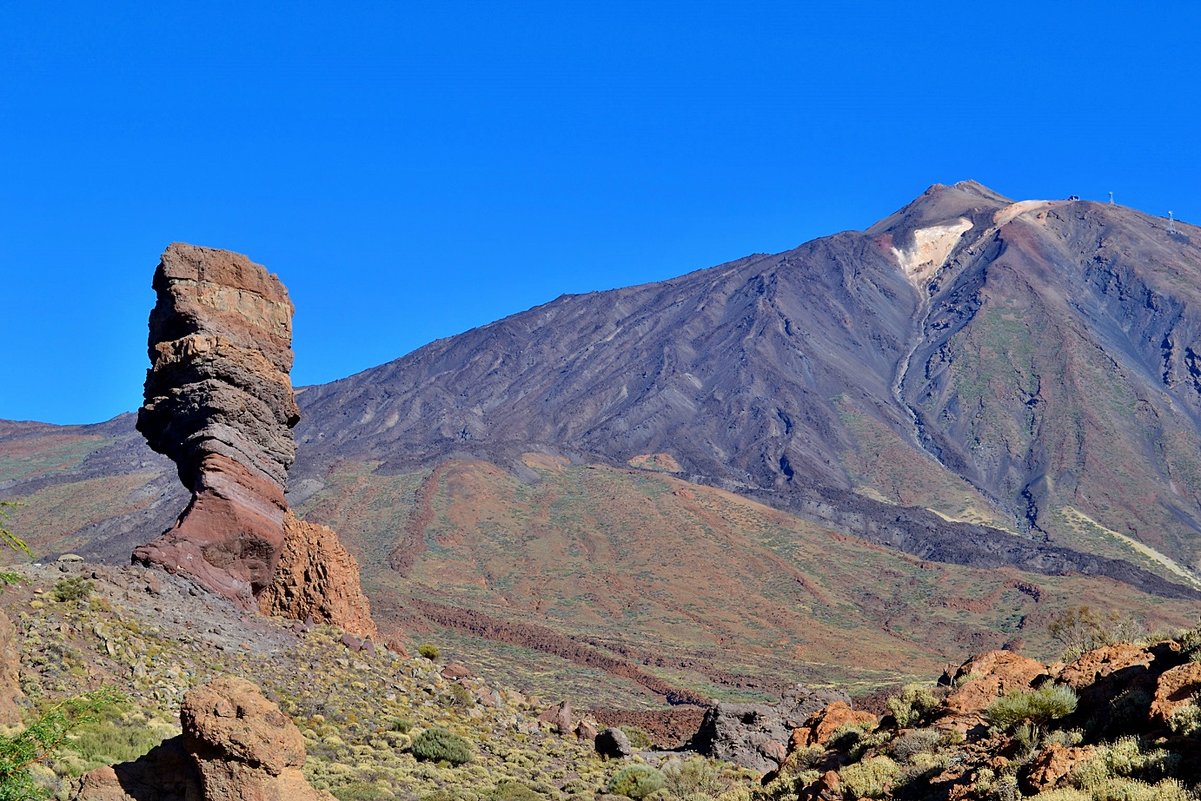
(1117, 721)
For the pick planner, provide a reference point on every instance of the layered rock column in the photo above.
(219, 402)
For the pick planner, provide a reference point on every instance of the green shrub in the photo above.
(872, 778)
(683, 778)
(429, 651)
(1039, 707)
(913, 705)
(808, 757)
(41, 739)
(511, 791)
(402, 725)
(1065, 794)
(922, 741)
(640, 740)
(7, 538)
(75, 588)
(1124, 758)
(441, 745)
(636, 781)
(460, 697)
(114, 735)
(1082, 629)
(1134, 790)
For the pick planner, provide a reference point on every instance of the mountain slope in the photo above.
(1010, 389)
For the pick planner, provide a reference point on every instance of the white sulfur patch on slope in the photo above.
(931, 247)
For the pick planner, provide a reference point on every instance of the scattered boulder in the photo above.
(828, 787)
(1099, 663)
(985, 678)
(236, 746)
(1174, 691)
(455, 671)
(317, 579)
(561, 718)
(820, 728)
(613, 743)
(586, 730)
(754, 735)
(1051, 767)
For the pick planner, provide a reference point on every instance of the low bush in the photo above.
(441, 745)
(75, 588)
(910, 744)
(1082, 629)
(1039, 707)
(429, 651)
(913, 705)
(1186, 721)
(42, 738)
(511, 791)
(684, 778)
(872, 778)
(636, 781)
(640, 740)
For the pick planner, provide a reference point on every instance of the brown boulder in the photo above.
(10, 678)
(1099, 663)
(561, 718)
(1174, 691)
(1050, 768)
(828, 787)
(219, 403)
(317, 578)
(820, 728)
(985, 678)
(236, 746)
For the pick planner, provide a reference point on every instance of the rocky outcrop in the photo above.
(1099, 663)
(317, 578)
(219, 403)
(236, 746)
(1176, 689)
(755, 735)
(983, 679)
(820, 729)
(10, 683)
(1050, 769)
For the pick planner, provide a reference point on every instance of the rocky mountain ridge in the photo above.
(971, 381)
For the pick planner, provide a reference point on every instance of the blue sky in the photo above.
(412, 170)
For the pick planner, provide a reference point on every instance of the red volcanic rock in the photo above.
(1099, 663)
(985, 678)
(823, 724)
(1175, 690)
(219, 403)
(236, 746)
(1051, 767)
(317, 578)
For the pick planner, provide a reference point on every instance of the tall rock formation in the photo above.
(219, 403)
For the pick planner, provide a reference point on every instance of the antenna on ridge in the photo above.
(1171, 224)
(1111, 198)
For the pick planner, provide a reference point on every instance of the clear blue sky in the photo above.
(412, 170)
